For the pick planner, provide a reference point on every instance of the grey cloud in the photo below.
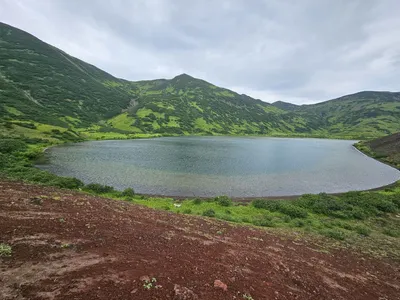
(297, 51)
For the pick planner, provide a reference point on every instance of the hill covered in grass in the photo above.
(47, 94)
(186, 105)
(364, 114)
(386, 149)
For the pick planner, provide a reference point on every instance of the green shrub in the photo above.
(31, 174)
(264, 221)
(223, 200)
(5, 250)
(392, 232)
(385, 206)
(271, 205)
(343, 225)
(363, 230)
(187, 211)
(371, 203)
(33, 153)
(245, 220)
(197, 201)
(395, 200)
(6, 161)
(358, 213)
(209, 213)
(66, 182)
(327, 204)
(334, 233)
(8, 146)
(258, 203)
(293, 211)
(129, 192)
(298, 223)
(98, 188)
(228, 218)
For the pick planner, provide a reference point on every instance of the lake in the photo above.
(210, 166)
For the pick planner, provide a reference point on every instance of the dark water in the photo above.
(209, 166)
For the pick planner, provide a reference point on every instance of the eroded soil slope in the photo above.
(387, 149)
(68, 245)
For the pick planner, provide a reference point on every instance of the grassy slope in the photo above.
(186, 105)
(41, 83)
(47, 94)
(366, 221)
(364, 115)
(385, 149)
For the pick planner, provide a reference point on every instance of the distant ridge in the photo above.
(285, 105)
(46, 93)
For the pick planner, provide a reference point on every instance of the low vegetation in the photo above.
(16, 162)
(341, 217)
(349, 216)
(5, 250)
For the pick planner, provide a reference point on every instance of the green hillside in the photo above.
(385, 149)
(365, 114)
(285, 105)
(186, 105)
(48, 94)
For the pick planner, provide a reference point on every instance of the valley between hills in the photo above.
(47, 94)
(63, 239)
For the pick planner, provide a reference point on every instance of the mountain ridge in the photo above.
(46, 93)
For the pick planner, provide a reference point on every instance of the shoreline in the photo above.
(249, 199)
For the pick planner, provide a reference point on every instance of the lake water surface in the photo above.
(210, 166)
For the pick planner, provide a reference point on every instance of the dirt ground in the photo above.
(68, 245)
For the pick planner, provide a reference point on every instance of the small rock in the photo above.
(145, 278)
(36, 201)
(183, 293)
(220, 284)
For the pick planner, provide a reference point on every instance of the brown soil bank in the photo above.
(387, 149)
(67, 245)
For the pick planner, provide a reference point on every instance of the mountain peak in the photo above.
(285, 105)
(183, 76)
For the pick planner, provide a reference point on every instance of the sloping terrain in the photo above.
(185, 105)
(40, 84)
(48, 94)
(364, 114)
(68, 245)
(387, 145)
(386, 149)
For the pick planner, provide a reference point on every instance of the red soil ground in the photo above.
(68, 245)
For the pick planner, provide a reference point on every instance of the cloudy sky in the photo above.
(301, 51)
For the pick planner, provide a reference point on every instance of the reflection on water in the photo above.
(209, 166)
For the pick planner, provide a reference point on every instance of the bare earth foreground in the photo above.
(68, 245)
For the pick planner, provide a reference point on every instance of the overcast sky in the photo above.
(301, 51)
